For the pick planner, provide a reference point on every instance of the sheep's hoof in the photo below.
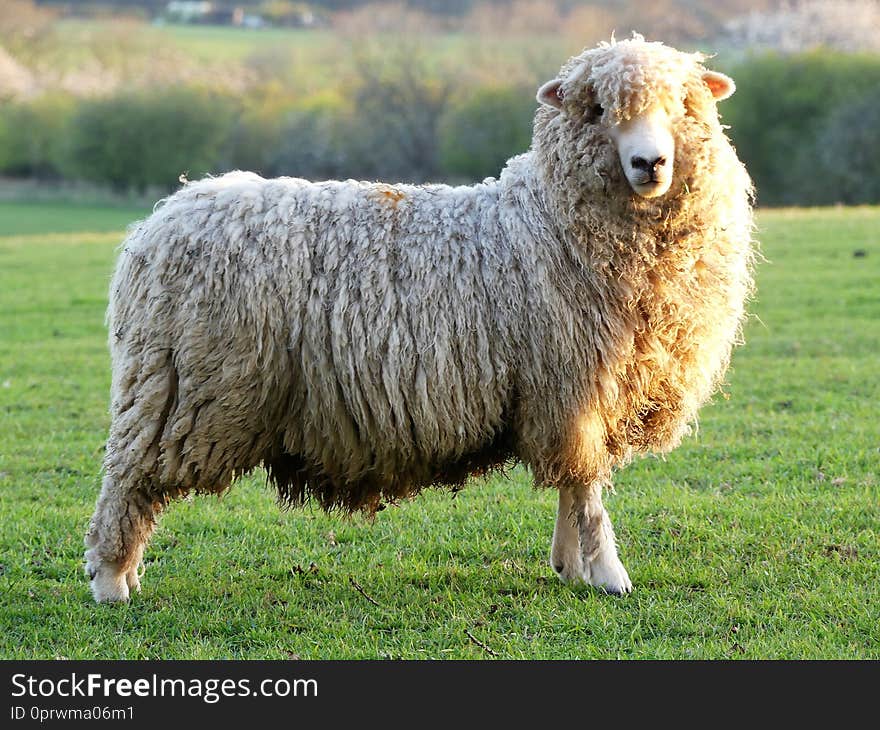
(110, 588)
(567, 569)
(110, 585)
(604, 571)
(133, 579)
(607, 572)
(565, 559)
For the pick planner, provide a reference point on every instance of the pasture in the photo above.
(308, 60)
(758, 538)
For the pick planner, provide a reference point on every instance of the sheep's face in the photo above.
(646, 149)
(623, 107)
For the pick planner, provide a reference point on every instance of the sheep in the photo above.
(362, 341)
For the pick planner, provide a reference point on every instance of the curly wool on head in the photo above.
(629, 76)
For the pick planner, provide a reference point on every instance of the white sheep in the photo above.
(362, 341)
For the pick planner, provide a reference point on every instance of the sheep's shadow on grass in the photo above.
(317, 588)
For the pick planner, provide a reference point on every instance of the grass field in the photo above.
(21, 218)
(756, 539)
(310, 60)
(206, 44)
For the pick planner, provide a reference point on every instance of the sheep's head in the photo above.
(625, 108)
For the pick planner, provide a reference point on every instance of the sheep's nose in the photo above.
(640, 163)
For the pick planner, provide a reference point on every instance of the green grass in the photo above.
(206, 43)
(216, 43)
(757, 539)
(310, 60)
(24, 218)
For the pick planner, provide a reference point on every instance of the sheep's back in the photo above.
(348, 325)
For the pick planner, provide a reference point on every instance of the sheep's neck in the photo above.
(673, 288)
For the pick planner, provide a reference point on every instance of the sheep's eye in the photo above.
(595, 112)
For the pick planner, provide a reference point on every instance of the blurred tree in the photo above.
(140, 7)
(478, 134)
(781, 105)
(315, 143)
(16, 80)
(33, 135)
(23, 22)
(150, 138)
(398, 99)
(843, 25)
(849, 151)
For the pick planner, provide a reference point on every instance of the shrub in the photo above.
(781, 106)
(316, 143)
(32, 136)
(849, 152)
(149, 138)
(479, 133)
(396, 106)
(256, 132)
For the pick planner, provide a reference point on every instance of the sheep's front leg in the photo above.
(583, 541)
(118, 532)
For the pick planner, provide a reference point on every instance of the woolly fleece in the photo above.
(363, 341)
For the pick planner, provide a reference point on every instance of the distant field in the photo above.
(320, 53)
(212, 43)
(756, 539)
(27, 218)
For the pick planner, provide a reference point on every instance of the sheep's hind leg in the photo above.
(583, 541)
(118, 532)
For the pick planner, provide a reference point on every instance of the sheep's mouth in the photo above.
(651, 187)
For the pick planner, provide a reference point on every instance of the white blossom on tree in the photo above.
(843, 25)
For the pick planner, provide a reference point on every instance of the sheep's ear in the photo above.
(551, 93)
(720, 85)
